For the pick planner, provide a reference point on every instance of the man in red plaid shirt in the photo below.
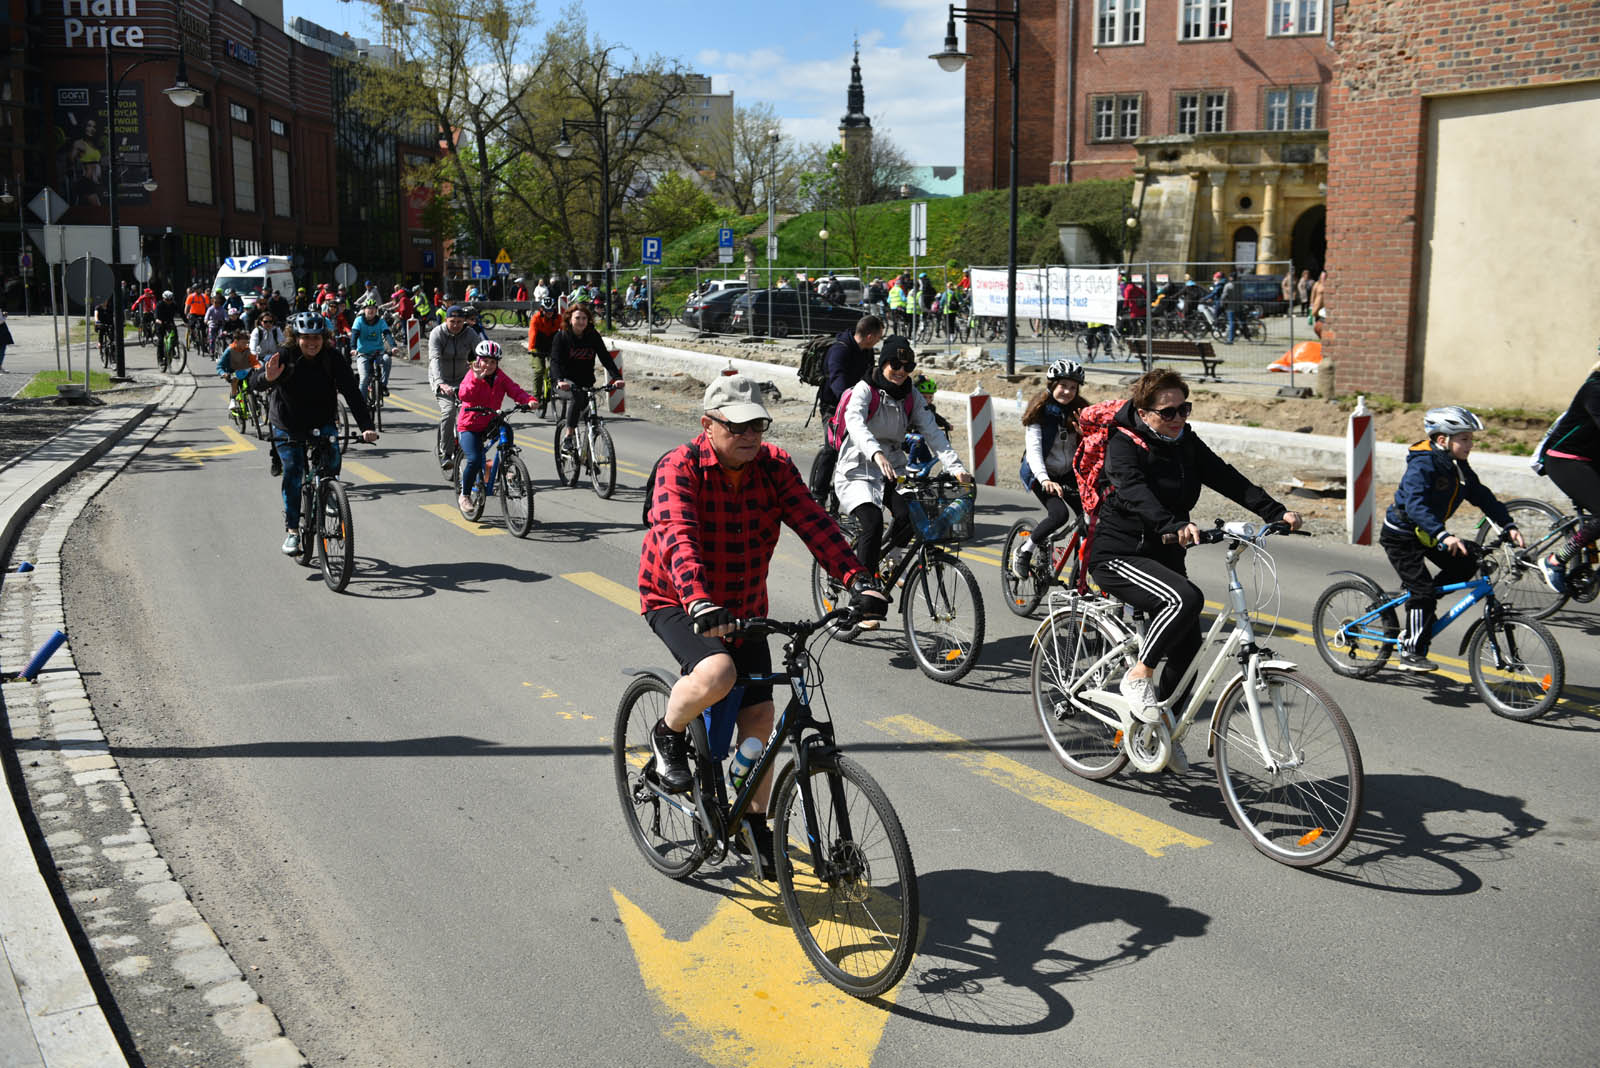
(714, 523)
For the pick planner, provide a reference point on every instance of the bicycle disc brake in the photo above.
(1148, 746)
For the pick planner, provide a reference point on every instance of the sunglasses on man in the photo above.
(752, 426)
(1172, 412)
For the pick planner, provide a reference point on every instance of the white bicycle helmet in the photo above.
(1065, 369)
(488, 350)
(308, 322)
(1450, 419)
(166, 294)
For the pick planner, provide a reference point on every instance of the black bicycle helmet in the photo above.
(1070, 370)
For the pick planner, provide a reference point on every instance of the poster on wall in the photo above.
(82, 138)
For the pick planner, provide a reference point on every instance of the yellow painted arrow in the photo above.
(741, 994)
(237, 443)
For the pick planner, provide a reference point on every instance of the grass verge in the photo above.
(44, 383)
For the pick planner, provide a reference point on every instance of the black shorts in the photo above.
(750, 655)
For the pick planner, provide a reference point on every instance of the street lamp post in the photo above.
(823, 234)
(564, 150)
(953, 59)
(183, 95)
(6, 198)
(772, 233)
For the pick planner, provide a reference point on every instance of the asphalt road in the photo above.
(396, 807)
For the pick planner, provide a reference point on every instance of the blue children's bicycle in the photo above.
(1514, 661)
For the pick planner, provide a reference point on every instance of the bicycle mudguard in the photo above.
(670, 678)
(1477, 624)
(1365, 580)
(1238, 678)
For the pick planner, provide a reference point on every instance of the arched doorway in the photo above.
(1309, 243)
(1245, 243)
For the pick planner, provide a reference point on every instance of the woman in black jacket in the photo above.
(1571, 456)
(576, 347)
(1156, 466)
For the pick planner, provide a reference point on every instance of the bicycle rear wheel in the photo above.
(944, 618)
(516, 496)
(665, 828)
(1516, 667)
(1070, 643)
(826, 595)
(1518, 583)
(1354, 650)
(1302, 808)
(336, 536)
(374, 398)
(850, 888)
(602, 463)
(1022, 595)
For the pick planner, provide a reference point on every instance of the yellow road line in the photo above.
(1142, 832)
(615, 592)
(363, 472)
(410, 406)
(452, 515)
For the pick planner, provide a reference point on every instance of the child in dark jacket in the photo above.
(1437, 480)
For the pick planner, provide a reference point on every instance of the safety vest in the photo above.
(897, 298)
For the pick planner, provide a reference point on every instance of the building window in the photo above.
(1188, 113)
(244, 176)
(1128, 112)
(1199, 112)
(238, 112)
(1201, 20)
(1216, 113)
(197, 161)
(1119, 22)
(278, 129)
(1295, 16)
(1116, 118)
(1277, 117)
(1292, 109)
(280, 183)
(1305, 109)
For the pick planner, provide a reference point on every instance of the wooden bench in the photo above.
(1193, 351)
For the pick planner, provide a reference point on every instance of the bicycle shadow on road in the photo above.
(1418, 833)
(998, 946)
(376, 579)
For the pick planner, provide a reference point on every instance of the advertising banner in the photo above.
(1061, 293)
(83, 139)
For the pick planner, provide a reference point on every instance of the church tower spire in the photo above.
(855, 129)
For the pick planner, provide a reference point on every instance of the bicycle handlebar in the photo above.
(497, 411)
(758, 626)
(1238, 532)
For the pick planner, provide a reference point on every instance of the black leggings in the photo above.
(1579, 480)
(576, 405)
(869, 517)
(1057, 514)
(1158, 585)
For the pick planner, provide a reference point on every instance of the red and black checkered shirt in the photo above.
(710, 540)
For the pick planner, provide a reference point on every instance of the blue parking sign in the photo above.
(427, 258)
(725, 237)
(652, 250)
(482, 269)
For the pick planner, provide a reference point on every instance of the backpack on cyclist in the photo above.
(650, 483)
(812, 358)
(835, 424)
(1095, 424)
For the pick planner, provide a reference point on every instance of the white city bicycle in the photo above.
(1286, 760)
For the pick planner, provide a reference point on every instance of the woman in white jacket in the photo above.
(266, 338)
(880, 409)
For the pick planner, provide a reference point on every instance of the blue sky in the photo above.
(795, 57)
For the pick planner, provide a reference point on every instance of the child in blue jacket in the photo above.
(1437, 479)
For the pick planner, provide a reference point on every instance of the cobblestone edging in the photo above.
(163, 963)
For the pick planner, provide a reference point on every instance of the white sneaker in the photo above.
(1141, 694)
(1178, 762)
(291, 543)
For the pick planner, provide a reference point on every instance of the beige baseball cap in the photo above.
(736, 398)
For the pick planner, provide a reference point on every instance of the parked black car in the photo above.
(711, 311)
(1265, 291)
(781, 312)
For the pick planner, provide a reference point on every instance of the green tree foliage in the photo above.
(674, 206)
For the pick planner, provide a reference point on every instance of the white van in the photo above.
(252, 276)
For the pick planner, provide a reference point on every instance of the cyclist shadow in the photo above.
(376, 579)
(1418, 833)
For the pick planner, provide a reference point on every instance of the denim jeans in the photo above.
(364, 363)
(1233, 322)
(294, 468)
(473, 449)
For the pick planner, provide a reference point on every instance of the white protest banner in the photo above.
(1092, 295)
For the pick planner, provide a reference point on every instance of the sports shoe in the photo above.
(291, 543)
(759, 830)
(1178, 762)
(1409, 661)
(1141, 694)
(384, 390)
(671, 749)
(276, 466)
(1555, 574)
(1022, 564)
(465, 502)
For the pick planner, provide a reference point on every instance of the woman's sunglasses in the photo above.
(752, 426)
(900, 363)
(1173, 412)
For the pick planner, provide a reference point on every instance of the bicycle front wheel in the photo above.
(665, 828)
(848, 883)
(565, 455)
(944, 618)
(1022, 595)
(1070, 643)
(1516, 667)
(1350, 638)
(178, 358)
(602, 463)
(336, 536)
(258, 417)
(1299, 802)
(516, 496)
(1518, 583)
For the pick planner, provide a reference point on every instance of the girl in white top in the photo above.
(880, 410)
(1050, 439)
(266, 338)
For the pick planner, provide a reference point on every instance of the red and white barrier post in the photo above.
(1359, 500)
(413, 339)
(980, 436)
(618, 401)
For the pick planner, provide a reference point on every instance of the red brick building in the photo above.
(1463, 233)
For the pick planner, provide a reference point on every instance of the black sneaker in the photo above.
(1408, 661)
(671, 749)
(384, 390)
(277, 465)
(761, 832)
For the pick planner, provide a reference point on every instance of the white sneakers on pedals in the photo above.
(1141, 694)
